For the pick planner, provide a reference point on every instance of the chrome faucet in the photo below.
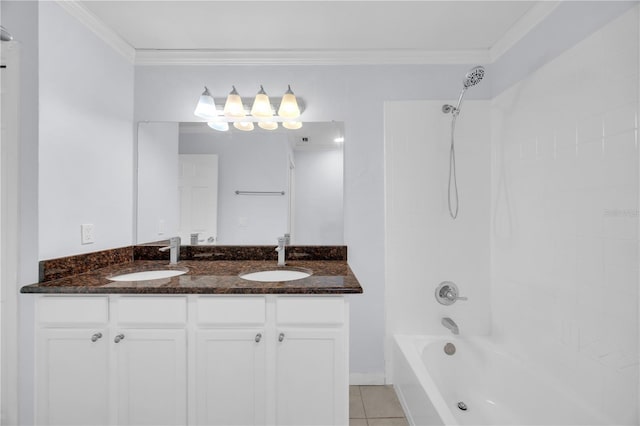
(282, 242)
(451, 325)
(174, 246)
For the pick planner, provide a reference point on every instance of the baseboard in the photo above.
(363, 379)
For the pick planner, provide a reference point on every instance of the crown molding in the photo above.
(522, 27)
(309, 57)
(99, 28)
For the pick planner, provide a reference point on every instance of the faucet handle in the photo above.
(447, 293)
(453, 296)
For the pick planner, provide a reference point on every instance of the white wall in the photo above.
(86, 138)
(158, 209)
(246, 163)
(565, 219)
(319, 198)
(21, 19)
(424, 245)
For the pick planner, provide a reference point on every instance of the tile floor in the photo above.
(375, 406)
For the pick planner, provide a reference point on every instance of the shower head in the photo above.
(5, 35)
(473, 77)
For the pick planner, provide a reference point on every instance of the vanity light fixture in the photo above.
(261, 105)
(233, 108)
(206, 107)
(268, 125)
(289, 105)
(262, 111)
(245, 126)
(339, 139)
(292, 125)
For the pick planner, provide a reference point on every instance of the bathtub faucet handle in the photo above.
(447, 293)
(453, 296)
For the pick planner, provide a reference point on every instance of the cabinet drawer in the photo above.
(310, 310)
(73, 310)
(152, 310)
(230, 310)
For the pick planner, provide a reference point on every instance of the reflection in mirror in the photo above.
(240, 188)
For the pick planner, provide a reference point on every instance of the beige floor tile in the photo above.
(358, 422)
(380, 401)
(388, 422)
(356, 408)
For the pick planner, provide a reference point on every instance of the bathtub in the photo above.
(497, 389)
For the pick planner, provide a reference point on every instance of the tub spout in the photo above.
(451, 325)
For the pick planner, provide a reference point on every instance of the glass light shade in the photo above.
(268, 125)
(245, 126)
(292, 125)
(289, 105)
(261, 105)
(206, 107)
(221, 126)
(233, 107)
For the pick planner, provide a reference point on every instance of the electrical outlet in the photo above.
(86, 231)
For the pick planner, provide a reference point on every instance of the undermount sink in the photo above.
(148, 275)
(275, 275)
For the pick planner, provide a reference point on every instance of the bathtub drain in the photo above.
(462, 406)
(449, 349)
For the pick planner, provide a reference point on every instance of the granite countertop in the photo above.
(206, 277)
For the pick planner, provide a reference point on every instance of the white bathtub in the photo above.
(497, 388)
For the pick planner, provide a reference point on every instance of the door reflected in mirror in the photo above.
(240, 188)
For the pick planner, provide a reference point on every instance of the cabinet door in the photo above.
(73, 377)
(152, 376)
(311, 377)
(230, 377)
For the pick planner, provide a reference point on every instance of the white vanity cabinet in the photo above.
(150, 341)
(311, 362)
(192, 360)
(229, 372)
(72, 361)
(111, 360)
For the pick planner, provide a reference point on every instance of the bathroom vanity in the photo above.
(203, 348)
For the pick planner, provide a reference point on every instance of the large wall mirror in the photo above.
(240, 188)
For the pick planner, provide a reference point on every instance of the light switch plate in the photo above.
(86, 231)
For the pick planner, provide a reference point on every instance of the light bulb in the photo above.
(245, 126)
(268, 125)
(233, 107)
(206, 107)
(289, 105)
(292, 125)
(221, 126)
(261, 105)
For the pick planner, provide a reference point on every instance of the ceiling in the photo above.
(310, 25)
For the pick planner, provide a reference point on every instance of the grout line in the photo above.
(364, 409)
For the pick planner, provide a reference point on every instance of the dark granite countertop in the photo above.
(206, 277)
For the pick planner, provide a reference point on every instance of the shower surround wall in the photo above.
(564, 289)
(424, 246)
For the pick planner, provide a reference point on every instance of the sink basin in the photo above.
(275, 275)
(148, 275)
